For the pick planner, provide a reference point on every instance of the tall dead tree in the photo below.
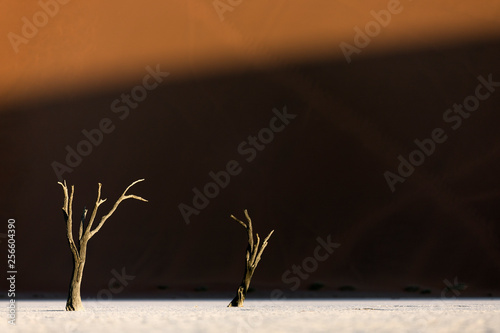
(252, 259)
(85, 233)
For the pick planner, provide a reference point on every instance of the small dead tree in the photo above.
(253, 256)
(85, 233)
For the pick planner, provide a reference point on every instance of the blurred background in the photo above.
(364, 80)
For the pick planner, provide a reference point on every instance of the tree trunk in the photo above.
(242, 291)
(74, 302)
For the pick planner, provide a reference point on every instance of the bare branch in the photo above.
(65, 190)
(68, 214)
(264, 244)
(254, 253)
(65, 203)
(137, 181)
(94, 211)
(248, 216)
(250, 231)
(242, 223)
(123, 197)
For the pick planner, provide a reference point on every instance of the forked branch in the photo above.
(123, 197)
(254, 253)
(85, 233)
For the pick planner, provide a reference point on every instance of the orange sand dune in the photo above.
(87, 45)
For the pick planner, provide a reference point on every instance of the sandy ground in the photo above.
(259, 316)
